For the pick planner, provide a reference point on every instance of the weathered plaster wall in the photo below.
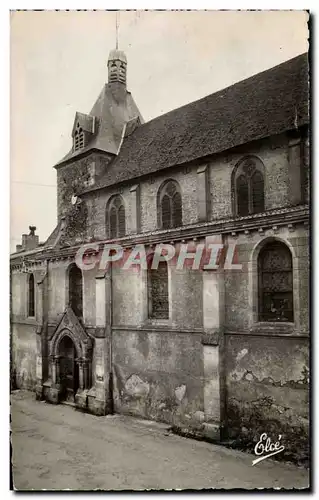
(23, 332)
(57, 289)
(130, 298)
(158, 375)
(267, 391)
(19, 295)
(187, 298)
(23, 338)
(89, 296)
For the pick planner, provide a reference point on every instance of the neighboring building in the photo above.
(215, 353)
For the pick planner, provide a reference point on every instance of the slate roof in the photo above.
(53, 236)
(112, 112)
(85, 121)
(265, 104)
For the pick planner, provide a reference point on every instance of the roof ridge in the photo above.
(225, 88)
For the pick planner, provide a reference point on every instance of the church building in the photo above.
(221, 353)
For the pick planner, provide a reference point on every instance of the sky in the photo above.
(58, 65)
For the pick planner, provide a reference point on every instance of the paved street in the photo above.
(57, 447)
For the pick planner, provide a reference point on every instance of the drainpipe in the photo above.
(111, 390)
(46, 319)
(12, 370)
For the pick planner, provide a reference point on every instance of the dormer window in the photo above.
(83, 130)
(79, 138)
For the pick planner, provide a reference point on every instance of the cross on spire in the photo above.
(117, 30)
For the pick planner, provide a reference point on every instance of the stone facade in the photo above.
(212, 368)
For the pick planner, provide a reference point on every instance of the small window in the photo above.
(275, 279)
(76, 290)
(169, 201)
(158, 307)
(248, 187)
(115, 216)
(31, 305)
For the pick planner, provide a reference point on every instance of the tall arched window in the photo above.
(115, 217)
(31, 308)
(248, 186)
(169, 205)
(275, 280)
(76, 290)
(158, 307)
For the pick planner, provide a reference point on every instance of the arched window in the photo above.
(75, 290)
(158, 307)
(115, 217)
(275, 280)
(169, 203)
(248, 187)
(31, 308)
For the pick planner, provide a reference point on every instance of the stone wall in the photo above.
(81, 174)
(279, 189)
(267, 380)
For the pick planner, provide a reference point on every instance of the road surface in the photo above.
(57, 447)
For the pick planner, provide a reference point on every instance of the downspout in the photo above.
(42, 325)
(45, 372)
(13, 382)
(111, 380)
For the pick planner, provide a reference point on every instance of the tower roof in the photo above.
(112, 110)
(117, 55)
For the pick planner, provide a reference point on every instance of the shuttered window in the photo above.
(158, 292)
(116, 217)
(75, 290)
(78, 140)
(275, 278)
(31, 308)
(249, 187)
(170, 205)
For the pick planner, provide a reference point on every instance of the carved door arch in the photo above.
(70, 357)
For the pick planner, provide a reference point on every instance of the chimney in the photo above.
(29, 241)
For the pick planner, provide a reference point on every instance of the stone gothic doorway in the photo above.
(69, 370)
(70, 362)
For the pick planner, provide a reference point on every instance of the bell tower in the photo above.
(117, 64)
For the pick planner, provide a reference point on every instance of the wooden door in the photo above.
(68, 370)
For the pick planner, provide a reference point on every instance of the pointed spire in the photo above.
(117, 59)
(116, 30)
